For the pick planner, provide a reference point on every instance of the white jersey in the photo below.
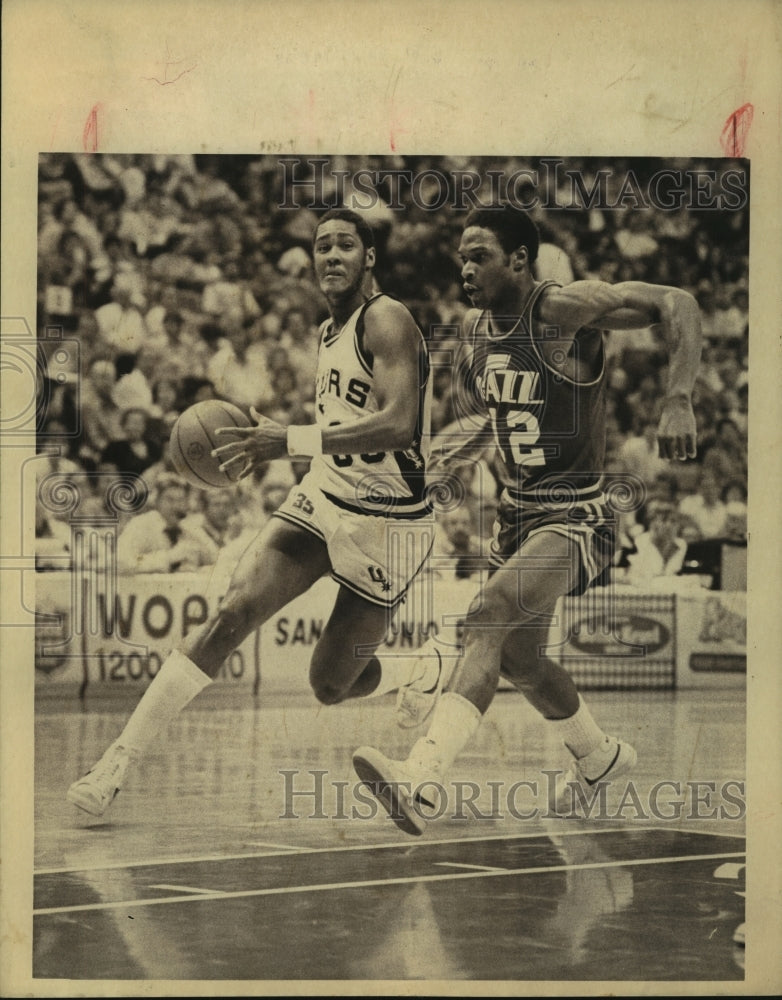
(392, 483)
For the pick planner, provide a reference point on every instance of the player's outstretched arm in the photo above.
(633, 305)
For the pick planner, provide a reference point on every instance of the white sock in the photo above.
(424, 666)
(580, 733)
(398, 671)
(454, 722)
(175, 685)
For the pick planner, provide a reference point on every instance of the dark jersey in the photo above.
(548, 427)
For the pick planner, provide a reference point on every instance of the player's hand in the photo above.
(253, 447)
(676, 435)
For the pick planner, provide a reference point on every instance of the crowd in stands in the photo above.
(182, 278)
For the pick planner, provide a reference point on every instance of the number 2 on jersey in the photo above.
(525, 434)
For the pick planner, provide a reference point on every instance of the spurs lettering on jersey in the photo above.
(356, 391)
(386, 482)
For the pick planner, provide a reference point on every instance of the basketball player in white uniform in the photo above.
(360, 513)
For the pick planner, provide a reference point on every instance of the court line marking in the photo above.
(276, 847)
(186, 888)
(543, 832)
(184, 860)
(372, 883)
(456, 864)
(712, 833)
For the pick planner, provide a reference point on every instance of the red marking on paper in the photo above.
(396, 128)
(90, 133)
(734, 134)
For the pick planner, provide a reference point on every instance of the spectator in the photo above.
(457, 548)
(52, 460)
(165, 398)
(217, 522)
(176, 348)
(272, 487)
(65, 277)
(67, 217)
(639, 455)
(52, 539)
(229, 296)
(713, 559)
(149, 224)
(164, 299)
(659, 551)
(286, 406)
(734, 490)
(740, 413)
(164, 467)
(100, 414)
(120, 322)
(135, 451)
(644, 403)
(131, 390)
(119, 269)
(731, 316)
(634, 239)
(238, 368)
(194, 390)
(708, 305)
(57, 392)
(156, 542)
(705, 506)
(726, 453)
(735, 529)
(165, 409)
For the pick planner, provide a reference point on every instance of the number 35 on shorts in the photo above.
(304, 504)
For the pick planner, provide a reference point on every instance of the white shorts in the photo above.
(373, 555)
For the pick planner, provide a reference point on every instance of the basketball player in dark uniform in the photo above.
(536, 370)
(360, 513)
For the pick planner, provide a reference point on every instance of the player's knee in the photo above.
(325, 690)
(325, 686)
(496, 611)
(328, 694)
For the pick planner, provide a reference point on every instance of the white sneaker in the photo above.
(414, 705)
(608, 761)
(398, 787)
(95, 792)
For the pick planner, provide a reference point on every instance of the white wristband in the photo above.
(304, 439)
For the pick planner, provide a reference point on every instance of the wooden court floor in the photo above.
(242, 848)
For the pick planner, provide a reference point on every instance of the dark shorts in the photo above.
(588, 523)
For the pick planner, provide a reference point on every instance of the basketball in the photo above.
(193, 437)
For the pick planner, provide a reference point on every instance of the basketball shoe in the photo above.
(610, 760)
(416, 700)
(398, 786)
(95, 792)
